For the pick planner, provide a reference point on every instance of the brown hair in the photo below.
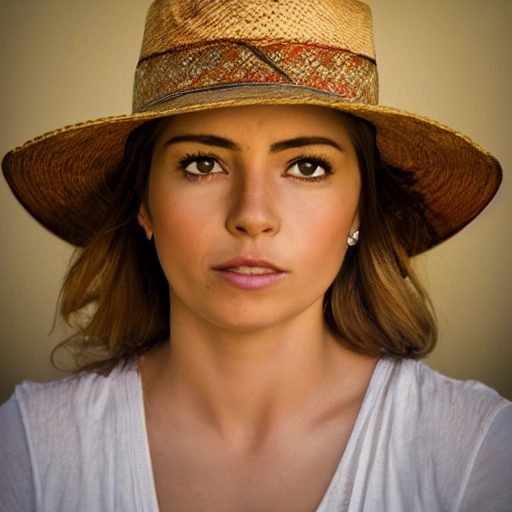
(376, 302)
(116, 295)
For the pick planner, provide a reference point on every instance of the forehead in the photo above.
(260, 123)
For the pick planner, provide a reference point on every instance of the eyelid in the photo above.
(190, 158)
(320, 161)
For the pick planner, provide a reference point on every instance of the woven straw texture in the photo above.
(342, 24)
(65, 178)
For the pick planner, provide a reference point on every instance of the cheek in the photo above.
(182, 231)
(326, 249)
(322, 233)
(176, 234)
(328, 220)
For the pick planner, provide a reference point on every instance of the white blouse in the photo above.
(421, 442)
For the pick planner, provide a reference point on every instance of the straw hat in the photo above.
(203, 54)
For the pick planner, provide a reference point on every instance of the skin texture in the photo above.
(251, 404)
(252, 209)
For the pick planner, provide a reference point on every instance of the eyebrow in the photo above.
(209, 140)
(303, 141)
(276, 147)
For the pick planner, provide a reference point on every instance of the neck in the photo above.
(242, 383)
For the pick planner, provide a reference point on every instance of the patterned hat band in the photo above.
(217, 65)
(201, 54)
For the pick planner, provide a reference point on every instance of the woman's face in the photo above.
(250, 209)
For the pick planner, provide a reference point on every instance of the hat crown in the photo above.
(202, 54)
(342, 24)
(205, 45)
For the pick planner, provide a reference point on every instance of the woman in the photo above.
(254, 319)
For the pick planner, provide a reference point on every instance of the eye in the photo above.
(309, 168)
(201, 165)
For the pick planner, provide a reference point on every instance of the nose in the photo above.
(253, 206)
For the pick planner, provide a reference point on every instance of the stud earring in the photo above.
(353, 238)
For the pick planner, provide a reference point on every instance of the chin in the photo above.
(256, 319)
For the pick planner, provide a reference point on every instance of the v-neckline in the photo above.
(379, 377)
(142, 456)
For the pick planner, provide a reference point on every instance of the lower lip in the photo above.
(251, 281)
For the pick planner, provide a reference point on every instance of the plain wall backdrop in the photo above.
(67, 61)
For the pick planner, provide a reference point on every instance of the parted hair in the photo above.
(116, 296)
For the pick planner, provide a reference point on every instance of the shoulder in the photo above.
(441, 429)
(44, 429)
(419, 391)
(448, 415)
(83, 439)
(16, 483)
(488, 486)
(73, 404)
(76, 387)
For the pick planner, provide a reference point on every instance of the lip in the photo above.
(250, 274)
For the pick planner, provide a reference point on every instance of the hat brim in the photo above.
(59, 176)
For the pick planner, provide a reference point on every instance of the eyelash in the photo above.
(190, 158)
(315, 160)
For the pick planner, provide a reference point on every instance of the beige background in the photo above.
(66, 61)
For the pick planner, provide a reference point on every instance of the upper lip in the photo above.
(241, 261)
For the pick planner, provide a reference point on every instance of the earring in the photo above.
(353, 238)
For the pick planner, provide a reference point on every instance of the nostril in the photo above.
(245, 230)
(251, 222)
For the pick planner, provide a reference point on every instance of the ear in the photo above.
(355, 223)
(144, 220)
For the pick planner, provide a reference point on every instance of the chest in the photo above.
(201, 474)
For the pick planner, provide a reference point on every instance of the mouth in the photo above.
(249, 266)
(250, 274)
(251, 271)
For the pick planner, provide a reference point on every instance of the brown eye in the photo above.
(309, 168)
(203, 165)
